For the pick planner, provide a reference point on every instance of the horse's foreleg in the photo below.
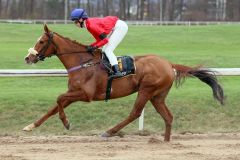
(50, 113)
(135, 113)
(162, 109)
(72, 97)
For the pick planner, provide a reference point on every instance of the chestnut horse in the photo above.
(87, 82)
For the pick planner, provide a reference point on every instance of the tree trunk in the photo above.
(111, 6)
(13, 10)
(138, 10)
(128, 9)
(26, 9)
(78, 3)
(0, 8)
(122, 4)
(103, 4)
(232, 10)
(99, 13)
(180, 9)
(107, 8)
(169, 11)
(238, 11)
(20, 10)
(89, 8)
(68, 7)
(142, 10)
(31, 9)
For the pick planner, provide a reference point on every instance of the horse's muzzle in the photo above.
(29, 59)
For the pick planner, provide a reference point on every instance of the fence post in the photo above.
(141, 121)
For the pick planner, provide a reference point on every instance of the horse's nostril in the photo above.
(26, 59)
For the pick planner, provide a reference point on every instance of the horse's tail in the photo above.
(205, 75)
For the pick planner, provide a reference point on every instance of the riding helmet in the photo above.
(78, 13)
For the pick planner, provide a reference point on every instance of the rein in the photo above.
(86, 64)
(89, 63)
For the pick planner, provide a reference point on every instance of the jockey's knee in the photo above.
(111, 57)
(108, 51)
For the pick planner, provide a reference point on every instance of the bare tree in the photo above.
(128, 15)
(0, 8)
(169, 10)
(106, 7)
(152, 10)
(31, 8)
(89, 7)
(142, 9)
(126, 9)
(122, 4)
(27, 9)
(79, 3)
(180, 10)
(68, 4)
(13, 13)
(233, 10)
(20, 8)
(148, 9)
(138, 9)
(99, 13)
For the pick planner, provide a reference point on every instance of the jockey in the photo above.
(108, 31)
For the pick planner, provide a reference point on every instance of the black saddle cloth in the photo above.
(126, 65)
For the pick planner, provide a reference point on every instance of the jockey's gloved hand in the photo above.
(91, 49)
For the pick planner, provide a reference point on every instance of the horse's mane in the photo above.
(98, 51)
(68, 39)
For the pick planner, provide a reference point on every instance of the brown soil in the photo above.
(130, 147)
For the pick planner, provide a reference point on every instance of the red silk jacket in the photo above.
(100, 28)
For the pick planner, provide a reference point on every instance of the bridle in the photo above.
(41, 55)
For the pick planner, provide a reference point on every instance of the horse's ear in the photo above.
(46, 28)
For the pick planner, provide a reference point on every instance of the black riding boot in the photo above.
(117, 73)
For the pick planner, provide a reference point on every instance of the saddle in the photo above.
(126, 67)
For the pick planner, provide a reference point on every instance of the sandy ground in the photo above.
(130, 147)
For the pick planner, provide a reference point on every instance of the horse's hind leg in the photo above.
(140, 102)
(159, 104)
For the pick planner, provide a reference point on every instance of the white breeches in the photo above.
(115, 37)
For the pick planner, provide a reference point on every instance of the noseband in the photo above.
(40, 54)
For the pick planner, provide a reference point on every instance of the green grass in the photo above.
(214, 46)
(23, 100)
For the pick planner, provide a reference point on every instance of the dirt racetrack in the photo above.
(131, 147)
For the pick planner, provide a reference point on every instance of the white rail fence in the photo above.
(49, 21)
(63, 73)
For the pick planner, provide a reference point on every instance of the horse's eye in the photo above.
(41, 42)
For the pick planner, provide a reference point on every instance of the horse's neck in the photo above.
(72, 54)
(65, 45)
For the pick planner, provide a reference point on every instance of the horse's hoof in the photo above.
(68, 125)
(106, 135)
(29, 127)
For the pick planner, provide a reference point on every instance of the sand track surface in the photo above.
(188, 146)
